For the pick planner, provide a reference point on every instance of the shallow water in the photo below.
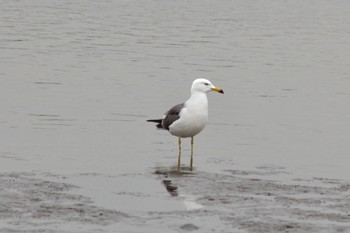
(79, 79)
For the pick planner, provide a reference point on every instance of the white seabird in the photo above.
(189, 118)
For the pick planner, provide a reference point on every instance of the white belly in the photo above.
(189, 125)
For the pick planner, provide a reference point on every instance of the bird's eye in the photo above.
(207, 84)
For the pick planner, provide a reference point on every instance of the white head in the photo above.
(204, 85)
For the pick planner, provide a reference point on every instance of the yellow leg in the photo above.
(191, 163)
(179, 158)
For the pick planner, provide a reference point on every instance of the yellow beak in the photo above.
(218, 89)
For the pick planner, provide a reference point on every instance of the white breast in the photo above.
(193, 117)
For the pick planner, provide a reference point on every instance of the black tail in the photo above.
(159, 121)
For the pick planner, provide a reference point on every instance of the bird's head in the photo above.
(204, 85)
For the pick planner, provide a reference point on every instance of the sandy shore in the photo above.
(235, 201)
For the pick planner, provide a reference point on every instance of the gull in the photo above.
(188, 119)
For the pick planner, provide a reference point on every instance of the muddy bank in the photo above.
(252, 201)
(32, 204)
(232, 201)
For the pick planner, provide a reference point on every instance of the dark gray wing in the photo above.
(172, 115)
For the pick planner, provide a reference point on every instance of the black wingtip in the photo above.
(158, 121)
(155, 120)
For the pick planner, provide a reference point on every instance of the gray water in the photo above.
(79, 79)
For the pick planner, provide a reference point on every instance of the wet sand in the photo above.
(235, 201)
(32, 204)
